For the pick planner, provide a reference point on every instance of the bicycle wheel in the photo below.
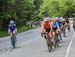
(64, 33)
(56, 41)
(68, 28)
(13, 42)
(49, 46)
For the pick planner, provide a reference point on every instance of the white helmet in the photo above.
(46, 19)
(12, 22)
(61, 18)
(57, 18)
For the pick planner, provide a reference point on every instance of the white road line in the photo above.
(68, 49)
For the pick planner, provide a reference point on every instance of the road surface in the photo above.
(30, 44)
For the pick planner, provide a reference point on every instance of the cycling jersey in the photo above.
(60, 24)
(55, 26)
(46, 26)
(12, 27)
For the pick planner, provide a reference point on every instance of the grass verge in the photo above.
(20, 29)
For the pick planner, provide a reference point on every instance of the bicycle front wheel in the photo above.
(13, 42)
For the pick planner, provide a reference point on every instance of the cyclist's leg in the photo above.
(69, 27)
(53, 34)
(64, 28)
(11, 37)
(14, 34)
(59, 33)
(55, 37)
(52, 39)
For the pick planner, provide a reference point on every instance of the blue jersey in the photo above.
(12, 27)
(54, 25)
(60, 23)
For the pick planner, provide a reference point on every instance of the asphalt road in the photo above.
(30, 44)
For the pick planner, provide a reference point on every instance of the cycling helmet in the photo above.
(57, 18)
(54, 19)
(63, 19)
(46, 19)
(12, 22)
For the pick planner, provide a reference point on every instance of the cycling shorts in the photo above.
(54, 29)
(48, 30)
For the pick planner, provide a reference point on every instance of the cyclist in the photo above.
(12, 30)
(59, 20)
(67, 20)
(64, 25)
(55, 28)
(50, 21)
(47, 27)
(68, 24)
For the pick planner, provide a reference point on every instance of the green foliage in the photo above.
(19, 10)
(29, 10)
(57, 8)
(20, 29)
(7, 9)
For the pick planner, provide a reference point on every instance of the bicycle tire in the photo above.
(68, 28)
(13, 42)
(49, 46)
(64, 33)
(56, 40)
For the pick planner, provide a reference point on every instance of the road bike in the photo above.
(68, 27)
(13, 40)
(48, 40)
(56, 39)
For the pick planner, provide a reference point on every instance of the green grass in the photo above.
(23, 29)
(3, 33)
(20, 29)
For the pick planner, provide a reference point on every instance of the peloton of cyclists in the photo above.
(54, 26)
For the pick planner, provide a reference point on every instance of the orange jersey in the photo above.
(46, 26)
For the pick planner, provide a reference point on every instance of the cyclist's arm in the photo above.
(42, 28)
(9, 29)
(15, 28)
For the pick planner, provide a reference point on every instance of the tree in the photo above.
(57, 8)
(6, 11)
